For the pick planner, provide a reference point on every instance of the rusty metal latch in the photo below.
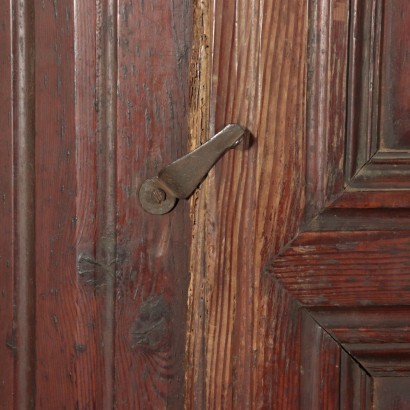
(179, 180)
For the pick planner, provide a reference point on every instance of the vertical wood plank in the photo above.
(356, 385)
(394, 105)
(320, 366)
(280, 375)
(199, 126)
(24, 202)
(93, 324)
(250, 206)
(106, 250)
(326, 106)
(152, 251)
(7, 333)
(56, 284)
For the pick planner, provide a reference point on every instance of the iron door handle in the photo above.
(179, 180)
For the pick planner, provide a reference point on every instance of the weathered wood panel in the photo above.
(312, 212)
(391, 393)
(249, 206)
(321, 357)
(7, 330)
(395, 104)
(23, 223)
(93, 290)
(154, 41)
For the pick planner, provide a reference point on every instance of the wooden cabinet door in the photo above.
(93, 290)
(283, 283)
(300, 286)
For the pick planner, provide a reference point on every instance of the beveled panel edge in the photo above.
(375, 336)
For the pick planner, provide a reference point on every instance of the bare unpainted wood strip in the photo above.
(199, 129)
(251, 203)
(24, 203)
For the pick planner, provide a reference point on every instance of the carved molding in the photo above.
(348, 164)
(348, 268)
(349, 352)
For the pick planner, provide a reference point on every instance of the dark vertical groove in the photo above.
(24, 205)
(106, 180)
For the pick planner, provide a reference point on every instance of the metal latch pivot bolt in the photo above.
(179, 180)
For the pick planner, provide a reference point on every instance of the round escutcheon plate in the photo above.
(154, 199)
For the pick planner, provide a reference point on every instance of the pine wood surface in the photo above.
(93, 289)
(312, 212)
(248, 208)
(283, 283)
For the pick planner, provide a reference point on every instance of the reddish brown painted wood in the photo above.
(385, 170)
(326, 103)
(280, 375)
(347, 268)
(391, 393)
(372, 200)
(300, 241)
(395, 83)
(377, 337)
(57, 343)
(92, 348)
(100, 284)
(350, 249)
(154, 40)
(320, 366)
(7, 332)
(23, 141)
(377, 156)
(363, 84)
(356, 385)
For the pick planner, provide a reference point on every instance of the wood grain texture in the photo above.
(384, 171)
(297, 243)
(243, 213)
(95, 211)
(279, 382)
(93, 291)
(377, 152)
(23, 143)
(55, 169)
(346, 268)
(284, 223)
(199, 125)
(356, 385)
(376, 337)
(154, 41)
(7, 333)
(320, 366)
(326, 103)
(106, 184)
(395, 104)
(363, 84)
